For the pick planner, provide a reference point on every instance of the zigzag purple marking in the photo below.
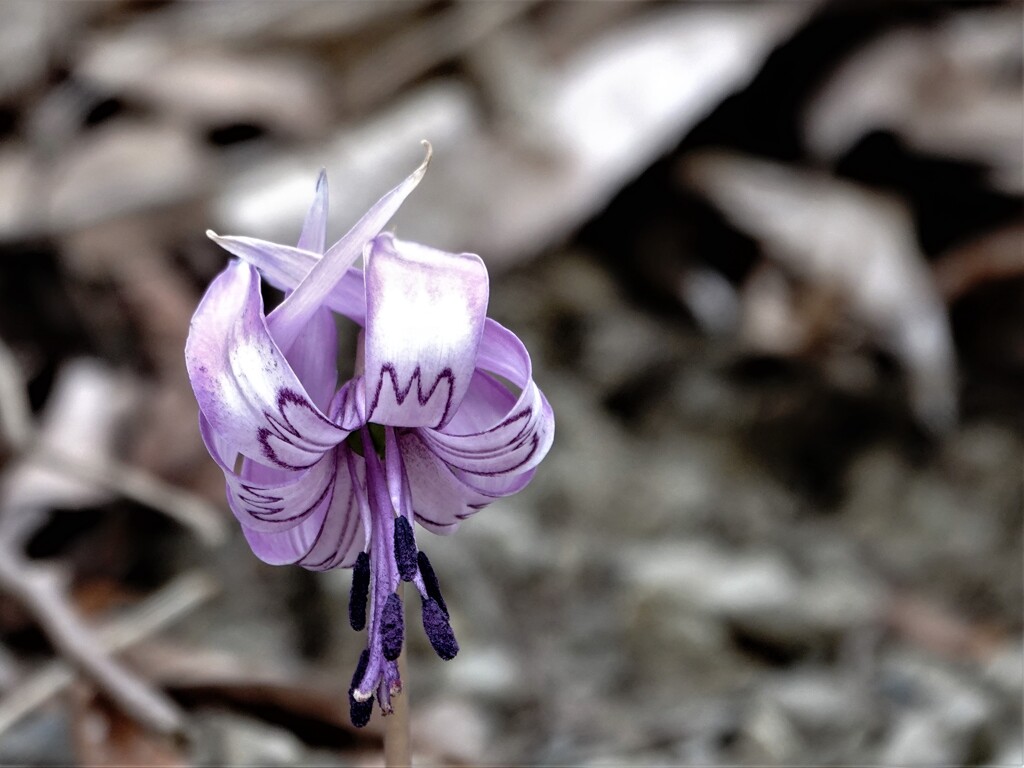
(401, 395)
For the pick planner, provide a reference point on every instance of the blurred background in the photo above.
(768, 259)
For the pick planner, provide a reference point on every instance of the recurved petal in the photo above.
(441, 497)
(284, 267)
(494, 433)
(425, 315)
(330, 537)
(245, 387)
(267, 498)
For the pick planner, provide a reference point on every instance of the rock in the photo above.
(832, 710)
(949, 720)
(821, 703)
(1004, 671)
(768, 736)
(758, 594)
(680, 600)
(230, 739)
(832, 604)
(451, 730)
(920, 739)
(484, 673)
(700, 575)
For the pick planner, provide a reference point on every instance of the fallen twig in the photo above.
(167, 605)
(35, 446)
(185, 508)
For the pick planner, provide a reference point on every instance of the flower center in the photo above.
(377, 439)
(390, 557)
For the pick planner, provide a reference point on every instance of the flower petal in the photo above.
(440, 498)
(312, 354)
(288, 320)
(313, 357)
(244, 385)
(268, 498)
(331, 537)
(284, 267)
(514, 440)
(425, 315)
(314, 229)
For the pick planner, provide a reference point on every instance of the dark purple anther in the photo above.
(438, 630)
(405, 549)
(360, 589)
(392, 627)
(431, 583)
(359, 711)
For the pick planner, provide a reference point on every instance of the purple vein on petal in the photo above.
(422, 396)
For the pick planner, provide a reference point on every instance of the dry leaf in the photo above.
(851, 240)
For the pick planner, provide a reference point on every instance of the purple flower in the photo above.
(426, 431)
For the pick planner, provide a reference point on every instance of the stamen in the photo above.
(392, 627)
(430, 582)
(438, 630)
(359, 711)
(360, 591)
(405, 549)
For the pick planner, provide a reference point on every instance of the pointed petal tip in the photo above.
(426, 160)
(321, 182)
(221, 240)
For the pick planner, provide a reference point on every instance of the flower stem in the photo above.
(397, 745)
